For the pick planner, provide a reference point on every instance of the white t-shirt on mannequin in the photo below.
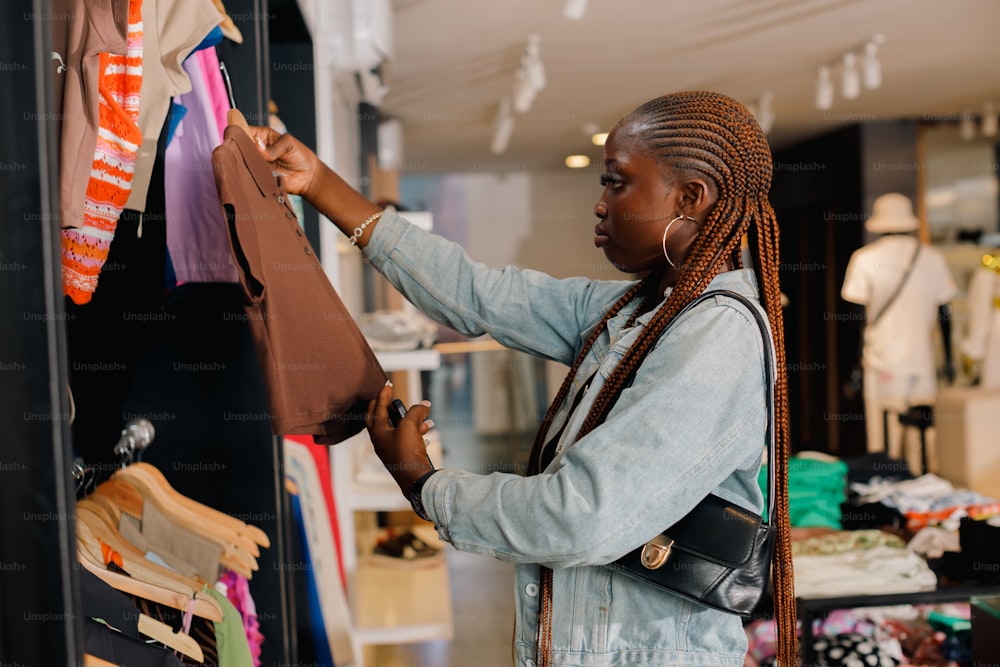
(982, 337)
(899, 348)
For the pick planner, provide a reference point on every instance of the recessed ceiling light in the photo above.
(577, 161)
(598, 138)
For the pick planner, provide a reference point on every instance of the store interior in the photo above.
(143, 389)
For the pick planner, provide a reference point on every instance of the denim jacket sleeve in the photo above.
(522, 309)
(692, 423)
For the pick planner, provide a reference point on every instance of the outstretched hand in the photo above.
(296, 163)
(401, 449)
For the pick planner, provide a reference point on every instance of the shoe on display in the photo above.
(404, 550)
(397, 330)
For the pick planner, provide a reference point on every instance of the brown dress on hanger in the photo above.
(318, 369)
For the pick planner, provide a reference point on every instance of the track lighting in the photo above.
(529, 77)
(850, 78)
(824, 89)
(574, 9)
(502, 127)
(871, 68)
(855, 72)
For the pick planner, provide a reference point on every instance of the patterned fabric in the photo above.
(85, 249)
(238, 592)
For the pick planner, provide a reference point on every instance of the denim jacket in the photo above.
(692, 423)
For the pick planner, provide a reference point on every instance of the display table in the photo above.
(966, 420)
(810, 609)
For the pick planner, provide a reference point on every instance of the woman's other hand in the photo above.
(401, 449)
(296, 163)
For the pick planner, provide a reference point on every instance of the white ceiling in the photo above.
(455, 59)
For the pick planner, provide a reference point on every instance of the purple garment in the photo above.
(196, 229)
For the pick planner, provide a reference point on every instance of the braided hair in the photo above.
(713, 136)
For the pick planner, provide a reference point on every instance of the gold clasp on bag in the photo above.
(655, 552)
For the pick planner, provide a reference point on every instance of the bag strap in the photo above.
(769, 433)
(899, 287)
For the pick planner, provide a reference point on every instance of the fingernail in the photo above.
(388, 383)
(429, 422)
(425, 402)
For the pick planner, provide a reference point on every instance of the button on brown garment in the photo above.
(319, 371)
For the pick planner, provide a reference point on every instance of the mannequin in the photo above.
(981, 344)
(899, 356)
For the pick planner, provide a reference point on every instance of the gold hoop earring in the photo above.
(667, 229)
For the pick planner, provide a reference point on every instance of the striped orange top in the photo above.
(85, 249)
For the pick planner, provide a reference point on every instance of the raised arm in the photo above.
(304, 173)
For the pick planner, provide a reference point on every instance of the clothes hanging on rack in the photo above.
(173, 28)
(93, 28)
(85, 246)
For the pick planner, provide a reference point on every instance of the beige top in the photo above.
(88, 29)
(171, 30)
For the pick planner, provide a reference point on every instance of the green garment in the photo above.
(815, 491)
(230, 637)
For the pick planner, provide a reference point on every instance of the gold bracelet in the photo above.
(360, 229)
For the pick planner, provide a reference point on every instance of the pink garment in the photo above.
(238, 592)
(208, 59)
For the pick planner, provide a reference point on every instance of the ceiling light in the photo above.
(764, 114)
(598, 138)
(502, 127)
(850, 82)
(529, 77)
(577, 161)
(871, 68)
(524, 92)
(989, 121)
(824, 88)
(967, 126)
(574, 9)
(534, 66)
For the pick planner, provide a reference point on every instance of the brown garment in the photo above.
(81, 31)
(318, 369)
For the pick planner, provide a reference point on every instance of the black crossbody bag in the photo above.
(719, 554)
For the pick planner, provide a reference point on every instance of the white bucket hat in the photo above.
(892, 212)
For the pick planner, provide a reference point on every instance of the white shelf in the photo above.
(408, 360)
(403, 605)
(377, 497)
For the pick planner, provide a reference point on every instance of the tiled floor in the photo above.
(482, 588)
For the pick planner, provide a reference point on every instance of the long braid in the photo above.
(716, 137)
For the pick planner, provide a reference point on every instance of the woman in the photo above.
(687, 175)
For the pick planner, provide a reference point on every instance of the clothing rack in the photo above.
(39, 578)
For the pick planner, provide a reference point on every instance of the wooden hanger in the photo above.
(93, 528)
(233, 556)
(250, 531)
(164, 634)
(94, 661)
(237, 549)
(125, 496)
(204, 605)
(189, 513)
(229, 28)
